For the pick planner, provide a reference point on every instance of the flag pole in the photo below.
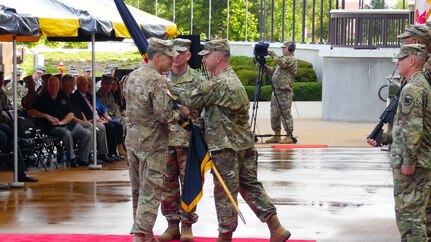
(222, 183)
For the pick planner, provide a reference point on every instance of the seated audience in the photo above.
(114, 130)
(55, 113)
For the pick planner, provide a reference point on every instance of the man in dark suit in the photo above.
(78, 102)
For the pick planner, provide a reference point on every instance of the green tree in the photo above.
(237, 21)
(399, 4)
(376, 4)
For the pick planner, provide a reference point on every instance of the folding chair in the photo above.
(36, 145)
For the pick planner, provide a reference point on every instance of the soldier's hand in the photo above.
(372, 142)
(408, 170)
(184, 111)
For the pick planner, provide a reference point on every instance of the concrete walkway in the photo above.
(309, 128)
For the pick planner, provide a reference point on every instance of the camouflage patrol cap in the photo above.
(164, 46)
(73, 72)
(286, 44)
(114, 66)
(215, 45)
(86, 68)
(107, 72)
(38, 69)
(417, 30)
(413, 49)
(182, 44)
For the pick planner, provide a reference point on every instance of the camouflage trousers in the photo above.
(285, 98)
(171, 199)
(239, 171)
(411, 195)
(147, 172)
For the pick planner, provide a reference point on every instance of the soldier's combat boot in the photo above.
(287, 140)
(224, 237)
(186, 232)
(144, 237)
(274, 139)
(172, 232)
(278, 232)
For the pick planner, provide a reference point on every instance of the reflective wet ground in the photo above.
(335, 194)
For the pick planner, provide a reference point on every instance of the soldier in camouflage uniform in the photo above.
(184, 78)
(229, 139)
(150, 105)
(282, 80)
(413, 34)
(410, 154)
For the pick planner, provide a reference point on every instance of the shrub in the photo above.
(247, 77)
(305, 75)
(237, 68)
(304, 64)
(307, 91)
(242, 60)
(265, 93)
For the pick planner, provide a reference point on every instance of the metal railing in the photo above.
(367, 29)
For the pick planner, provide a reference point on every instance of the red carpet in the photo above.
(100, 238)
(298, 146)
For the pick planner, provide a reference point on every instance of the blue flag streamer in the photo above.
(198, 163)
(133, 28)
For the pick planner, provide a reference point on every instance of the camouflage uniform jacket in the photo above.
(411, 132)
(108, 100)
(226, 111)
(285, 72)
(5, 103)
(149, 110)
(189, 80)
(20, 92)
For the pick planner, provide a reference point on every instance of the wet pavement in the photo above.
(334, 194)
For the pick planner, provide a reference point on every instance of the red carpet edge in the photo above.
(100, 238)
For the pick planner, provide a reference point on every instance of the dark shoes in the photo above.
(3, 187)
(116, 157)
(105, 158)
(26, 178)
(82, 163)
(76, 163)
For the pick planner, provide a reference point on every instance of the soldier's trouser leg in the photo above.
(134, 179)
(411, 198)
(251, 189)
(275, 116)
(171, 189)
(150, 167)
(171, 200)
(226, 162)
(285, 98)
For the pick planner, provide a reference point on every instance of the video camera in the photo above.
(261, 49)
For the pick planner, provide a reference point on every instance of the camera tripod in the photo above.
(260, 60)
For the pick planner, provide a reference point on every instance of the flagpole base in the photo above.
(14, 184)
(94, 167)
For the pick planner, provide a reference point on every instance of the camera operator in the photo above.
(283, 78)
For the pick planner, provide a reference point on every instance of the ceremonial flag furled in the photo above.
(133, 28)
(198, 163)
